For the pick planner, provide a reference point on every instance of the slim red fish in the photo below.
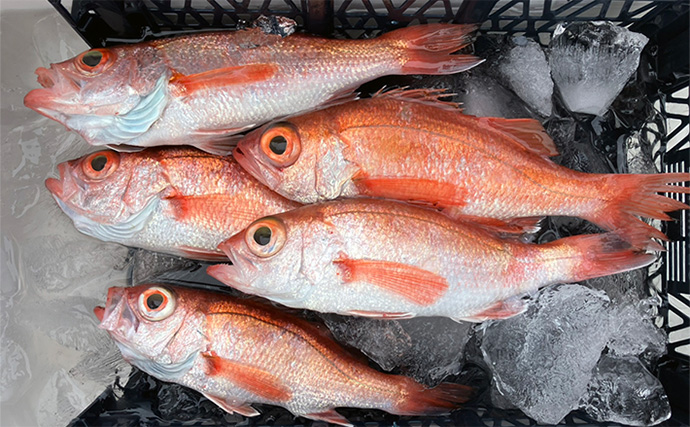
(411, 146)
(198, 89)
(238, 352)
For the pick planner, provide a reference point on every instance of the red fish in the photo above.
(237, 352)
(411, 146)
(381, 258)
(180, 201)
(197, 89)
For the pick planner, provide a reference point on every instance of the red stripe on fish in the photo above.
(412, 283)
(223, 77)
(252, 379)
(411, 189)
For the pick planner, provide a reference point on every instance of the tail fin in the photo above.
(602, 255)
(442, 399)
(637, 195)
(429, 47)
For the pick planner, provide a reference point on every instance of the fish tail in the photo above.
(636, 195)
(428, 48)
(597, 255)
(419, 400)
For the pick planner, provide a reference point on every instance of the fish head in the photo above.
(157, 328)
(109, 195)
(96, 90)
(300, 158)
(267, 260)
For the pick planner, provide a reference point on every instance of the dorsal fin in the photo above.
(425, 96)
(528, 133)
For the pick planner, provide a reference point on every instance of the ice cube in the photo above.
(527, 73)
(622, 390)
(542, 360)
(591, 63)
(426, 348)
(634, 334)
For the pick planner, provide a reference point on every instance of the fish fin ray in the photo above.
(330, 416)
(221, 144)
(223, 77)
(424, 96)
(636, 195)
(441, 399)
(250, 378)
(202, 254)
(529, 133)
(505, 228)
(417, 285)
(428, 48)
(499, 310)
(232, 407)
(380, 314)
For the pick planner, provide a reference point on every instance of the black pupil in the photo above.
(278, 144)
(262, 236)
(98, 163)
(92, 58)
(154, 301)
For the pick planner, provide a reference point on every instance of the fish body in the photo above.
(237, 352)
(383, 258)
(197, 89)
(411, 146)
(180, 201)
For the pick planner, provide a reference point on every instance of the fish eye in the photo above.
(281, 144)
(262, 236)
(93, 60)
(157, 303)
(266, 237)
(100, 165)
(278, 144)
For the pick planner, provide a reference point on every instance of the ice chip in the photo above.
(542, 360)
(591, 63)
(622, 390)
(427, 348)
(525, 70)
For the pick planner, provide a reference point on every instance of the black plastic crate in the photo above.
(665, 22)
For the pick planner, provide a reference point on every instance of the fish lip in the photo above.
(45, 77)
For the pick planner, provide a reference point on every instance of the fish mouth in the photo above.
(62, 188)
(264, 175)
(236, 274)
(58, 97)
(117, 317)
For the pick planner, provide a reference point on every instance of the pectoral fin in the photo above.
(250, 378)
(423, 191)
(415, 284)
(223, 77)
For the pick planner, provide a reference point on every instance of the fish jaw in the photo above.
(58, 98)
(246, 157)
(117, 318)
